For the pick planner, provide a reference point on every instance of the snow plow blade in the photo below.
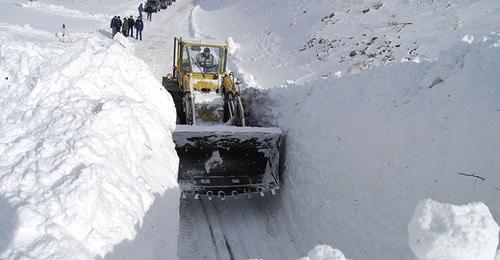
(220, 161)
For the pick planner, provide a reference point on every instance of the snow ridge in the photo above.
(85, 142)
(194, 30)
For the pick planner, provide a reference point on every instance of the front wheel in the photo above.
(189, 109)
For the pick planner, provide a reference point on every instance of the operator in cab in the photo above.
(205, 60)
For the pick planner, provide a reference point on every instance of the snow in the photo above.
(213, 162)
(85, 142)
(367, 136)
(386, 141)
(210, 98)
(62, 11)
(324, 252)
(233, 46)
(228, 129)
(445, 231)
(468, 39)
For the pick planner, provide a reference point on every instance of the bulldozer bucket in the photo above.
(219, 161)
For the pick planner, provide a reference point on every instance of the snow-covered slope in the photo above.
(85, 142)
(302, 40)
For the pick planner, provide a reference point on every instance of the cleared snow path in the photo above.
(229, 229)
(236, 229)
(156, 47)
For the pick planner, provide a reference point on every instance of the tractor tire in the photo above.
(172, 86)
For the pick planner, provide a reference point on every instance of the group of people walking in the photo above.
(126, 27)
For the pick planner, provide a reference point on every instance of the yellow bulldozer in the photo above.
(219, 154)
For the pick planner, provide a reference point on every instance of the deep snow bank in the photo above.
(85, 142)
(443, 231)
(363, 149)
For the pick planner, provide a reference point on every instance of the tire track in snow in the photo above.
(240, 229)
(240, 241)
(194, 28)
(228, 247)
(212, 236)
(231, 256)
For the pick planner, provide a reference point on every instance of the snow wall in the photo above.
(389, 140)
(368, 136)
(85, 147)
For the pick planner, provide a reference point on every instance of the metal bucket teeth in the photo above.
(222, 195)
(210, 195)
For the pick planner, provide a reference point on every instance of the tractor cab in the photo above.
(203, 59)
(201, 66)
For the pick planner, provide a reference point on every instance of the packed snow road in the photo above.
(236, 229)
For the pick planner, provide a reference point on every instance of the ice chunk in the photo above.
(468, 39)
(214, 161)
(129, 47)
(324, 252)
(445, 231)
(233, 46)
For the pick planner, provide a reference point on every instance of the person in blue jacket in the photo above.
(139, 25)
(114, 26)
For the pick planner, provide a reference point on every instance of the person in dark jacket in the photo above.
(140, 9)
(149, 11)
(125, 27)
(139, 25)
(64, 33)
(118, 24)
(114, 26)
(131, 23)
(205, 60)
